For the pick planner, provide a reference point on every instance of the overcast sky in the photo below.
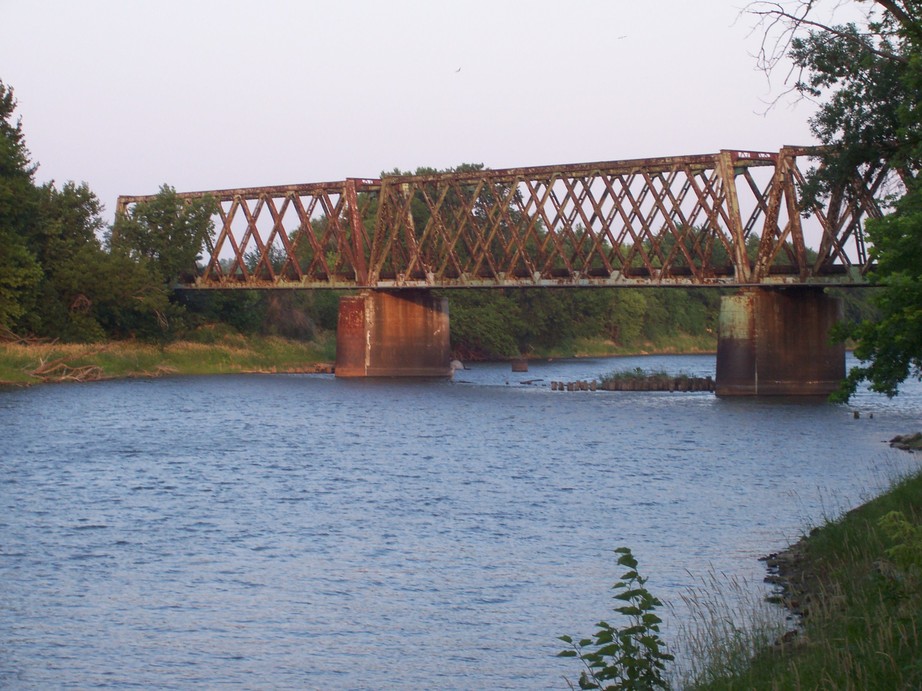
(214, 94)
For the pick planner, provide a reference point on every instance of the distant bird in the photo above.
(620, 37)
(457, 70)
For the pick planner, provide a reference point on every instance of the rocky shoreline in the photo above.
(798, 585)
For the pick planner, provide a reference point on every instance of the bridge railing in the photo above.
(732, 218)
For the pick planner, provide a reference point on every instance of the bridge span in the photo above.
(731, 219)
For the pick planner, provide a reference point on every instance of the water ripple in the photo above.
(303, 532)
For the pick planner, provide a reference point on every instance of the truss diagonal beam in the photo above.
(733, 218)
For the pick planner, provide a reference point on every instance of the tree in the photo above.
(485, 324)
(867, 78)
(19, 271)
(65, 243)
(163, 239)
(168, 232)
(56, 280)
(890, 348)
(131, 301)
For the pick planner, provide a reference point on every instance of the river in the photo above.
(298, 531)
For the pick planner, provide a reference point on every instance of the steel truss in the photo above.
(734, 218)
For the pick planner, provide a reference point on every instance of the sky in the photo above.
(201, 94)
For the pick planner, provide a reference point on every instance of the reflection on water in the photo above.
(295, 531)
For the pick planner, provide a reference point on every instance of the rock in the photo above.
(907, 442)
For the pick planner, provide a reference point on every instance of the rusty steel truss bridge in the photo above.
(735, 218)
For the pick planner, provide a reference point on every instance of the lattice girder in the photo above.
(731, 218)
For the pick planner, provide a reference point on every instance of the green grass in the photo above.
(676, 344)
(221, 351)
(23, 365)
(727, 621)
(636, 374)
(862, 627)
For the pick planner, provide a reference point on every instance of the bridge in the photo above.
(731, 219)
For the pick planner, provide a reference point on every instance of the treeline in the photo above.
(66, 275)
(494, 323)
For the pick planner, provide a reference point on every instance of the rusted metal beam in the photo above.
(730, 218)
(305, 189)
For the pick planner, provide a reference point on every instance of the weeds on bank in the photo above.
(728, 622)
(856, 583)
(24, 364)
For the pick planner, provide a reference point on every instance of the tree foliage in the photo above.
(169, 232)
(65, 244)
(57, 279)
(20, 273)
(488, 324)
(867, 78)
(63, 275)
(890, 348)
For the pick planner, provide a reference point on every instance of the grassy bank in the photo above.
(23, 365)
(856, 583)
(677, 344)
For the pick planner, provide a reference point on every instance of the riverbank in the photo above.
(26, 364)
(675, 344)
(855, 587)
(36, 363)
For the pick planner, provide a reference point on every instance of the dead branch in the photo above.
(8, 336)
(781, 26)
(60, 371)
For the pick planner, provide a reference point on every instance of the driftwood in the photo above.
(8, 336)
(59, 370)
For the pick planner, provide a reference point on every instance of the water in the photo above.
(295, 531)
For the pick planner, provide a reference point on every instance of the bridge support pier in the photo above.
(776, 343)
(393, 334)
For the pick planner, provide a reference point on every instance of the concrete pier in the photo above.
(393, 334)
(775, 342)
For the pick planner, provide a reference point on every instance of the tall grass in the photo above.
(22, 365)
(727, 622)
(862, 612)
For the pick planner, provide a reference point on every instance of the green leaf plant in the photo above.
(632, 656)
